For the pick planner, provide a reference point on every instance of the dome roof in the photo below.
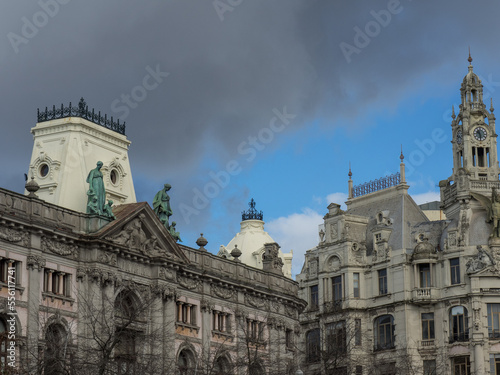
(424, 250)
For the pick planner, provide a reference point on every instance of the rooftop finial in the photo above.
(491, 105)
(252, 213)
(350, 173)
(453, 112)
(402, 157)
(470, 58)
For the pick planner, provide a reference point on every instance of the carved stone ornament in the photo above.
(255, 301)
(313, 267)
(334, 231)
(206, 306)
(275, 306)
(35, 262)
(166, 273)
(13, 235)
(80, 273)
(107, 258)
(163, 291)
(188, 282)
(482, 260)
(290, 311)
(60, 248)
(222, 292)
(334, 263)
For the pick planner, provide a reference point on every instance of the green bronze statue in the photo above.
(108, 211)
(161, 205)
(174, 233)
(96, 193)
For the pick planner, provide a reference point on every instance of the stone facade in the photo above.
(82, 294)
(391, 292)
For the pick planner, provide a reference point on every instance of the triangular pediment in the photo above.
(490, 271)
(138, 230)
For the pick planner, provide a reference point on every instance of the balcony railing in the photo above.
(459, 337)
(376, 185)
(425, 295)
(427, 344)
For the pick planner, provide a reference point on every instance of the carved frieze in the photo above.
(60, 248)
(290, 311)
(81, 272)
(14, 235)
(479, 262)
(255, 301)
(163, 291)
(313, 267)
(222, 292)
(188, 282)
(35, 262)
(131, 235)
(166, 273)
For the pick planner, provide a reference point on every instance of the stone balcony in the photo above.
(426, 295)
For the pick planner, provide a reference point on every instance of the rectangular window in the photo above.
(355, 283)
(313, 346)
(255, 330)
(359, 370)
(336, 340)
(382, 281)
(9, 267)
(56, 282)
(425, 275)
(186, 313)
(430, 367)
(314, 297)
(493, 320)
(455, 271)
(289, 339)
(461, 366)
(428, 326)
(357, 332)
(221, 321)
(495, 364)
(337, 288)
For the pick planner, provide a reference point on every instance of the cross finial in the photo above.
(401, 156)
(470, 58)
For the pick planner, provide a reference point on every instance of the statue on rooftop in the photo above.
(174, 233)
(108, 211)
(96, 193)
(492, 210)
(161, 205)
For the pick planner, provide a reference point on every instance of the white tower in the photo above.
(68, 143)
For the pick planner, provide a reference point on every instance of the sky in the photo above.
(251, 98)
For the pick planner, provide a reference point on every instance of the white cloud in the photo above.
(430, 196)
(297, 232)
(338, 198)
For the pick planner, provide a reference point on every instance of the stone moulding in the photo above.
(255, 301)
(188, 281)
(13, 235)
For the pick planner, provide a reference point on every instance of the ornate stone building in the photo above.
(84, 294)
(391, 292)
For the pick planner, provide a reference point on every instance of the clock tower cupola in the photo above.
(474, 137)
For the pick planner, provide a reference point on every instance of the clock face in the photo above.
(459, 137)
(480, 133)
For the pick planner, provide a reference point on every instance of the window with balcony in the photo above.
(427, 326)
(337, 289)
(425, 275)
(314, 297)
(57, 283)
(186, 313)
(10, 270)
(455, 271)
(355, 284)
(336, 339)
(459, 330)
(383, 328)
(461, 366)
(493, 320)
(255, 330)
(313, 345)
(221, 322)
(382, 281)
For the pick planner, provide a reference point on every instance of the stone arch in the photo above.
(223, 365)
(186, 360)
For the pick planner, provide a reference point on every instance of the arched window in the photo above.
(186, 362)
(125, 315)
(256, 368)
(222, 366)
(459, 330)
(313, 345)
(383, 329)
(56, 347)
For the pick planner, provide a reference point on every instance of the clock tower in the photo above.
(474, 137)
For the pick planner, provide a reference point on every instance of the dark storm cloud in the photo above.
(225, 77)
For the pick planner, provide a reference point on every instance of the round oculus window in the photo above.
(43, 170)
